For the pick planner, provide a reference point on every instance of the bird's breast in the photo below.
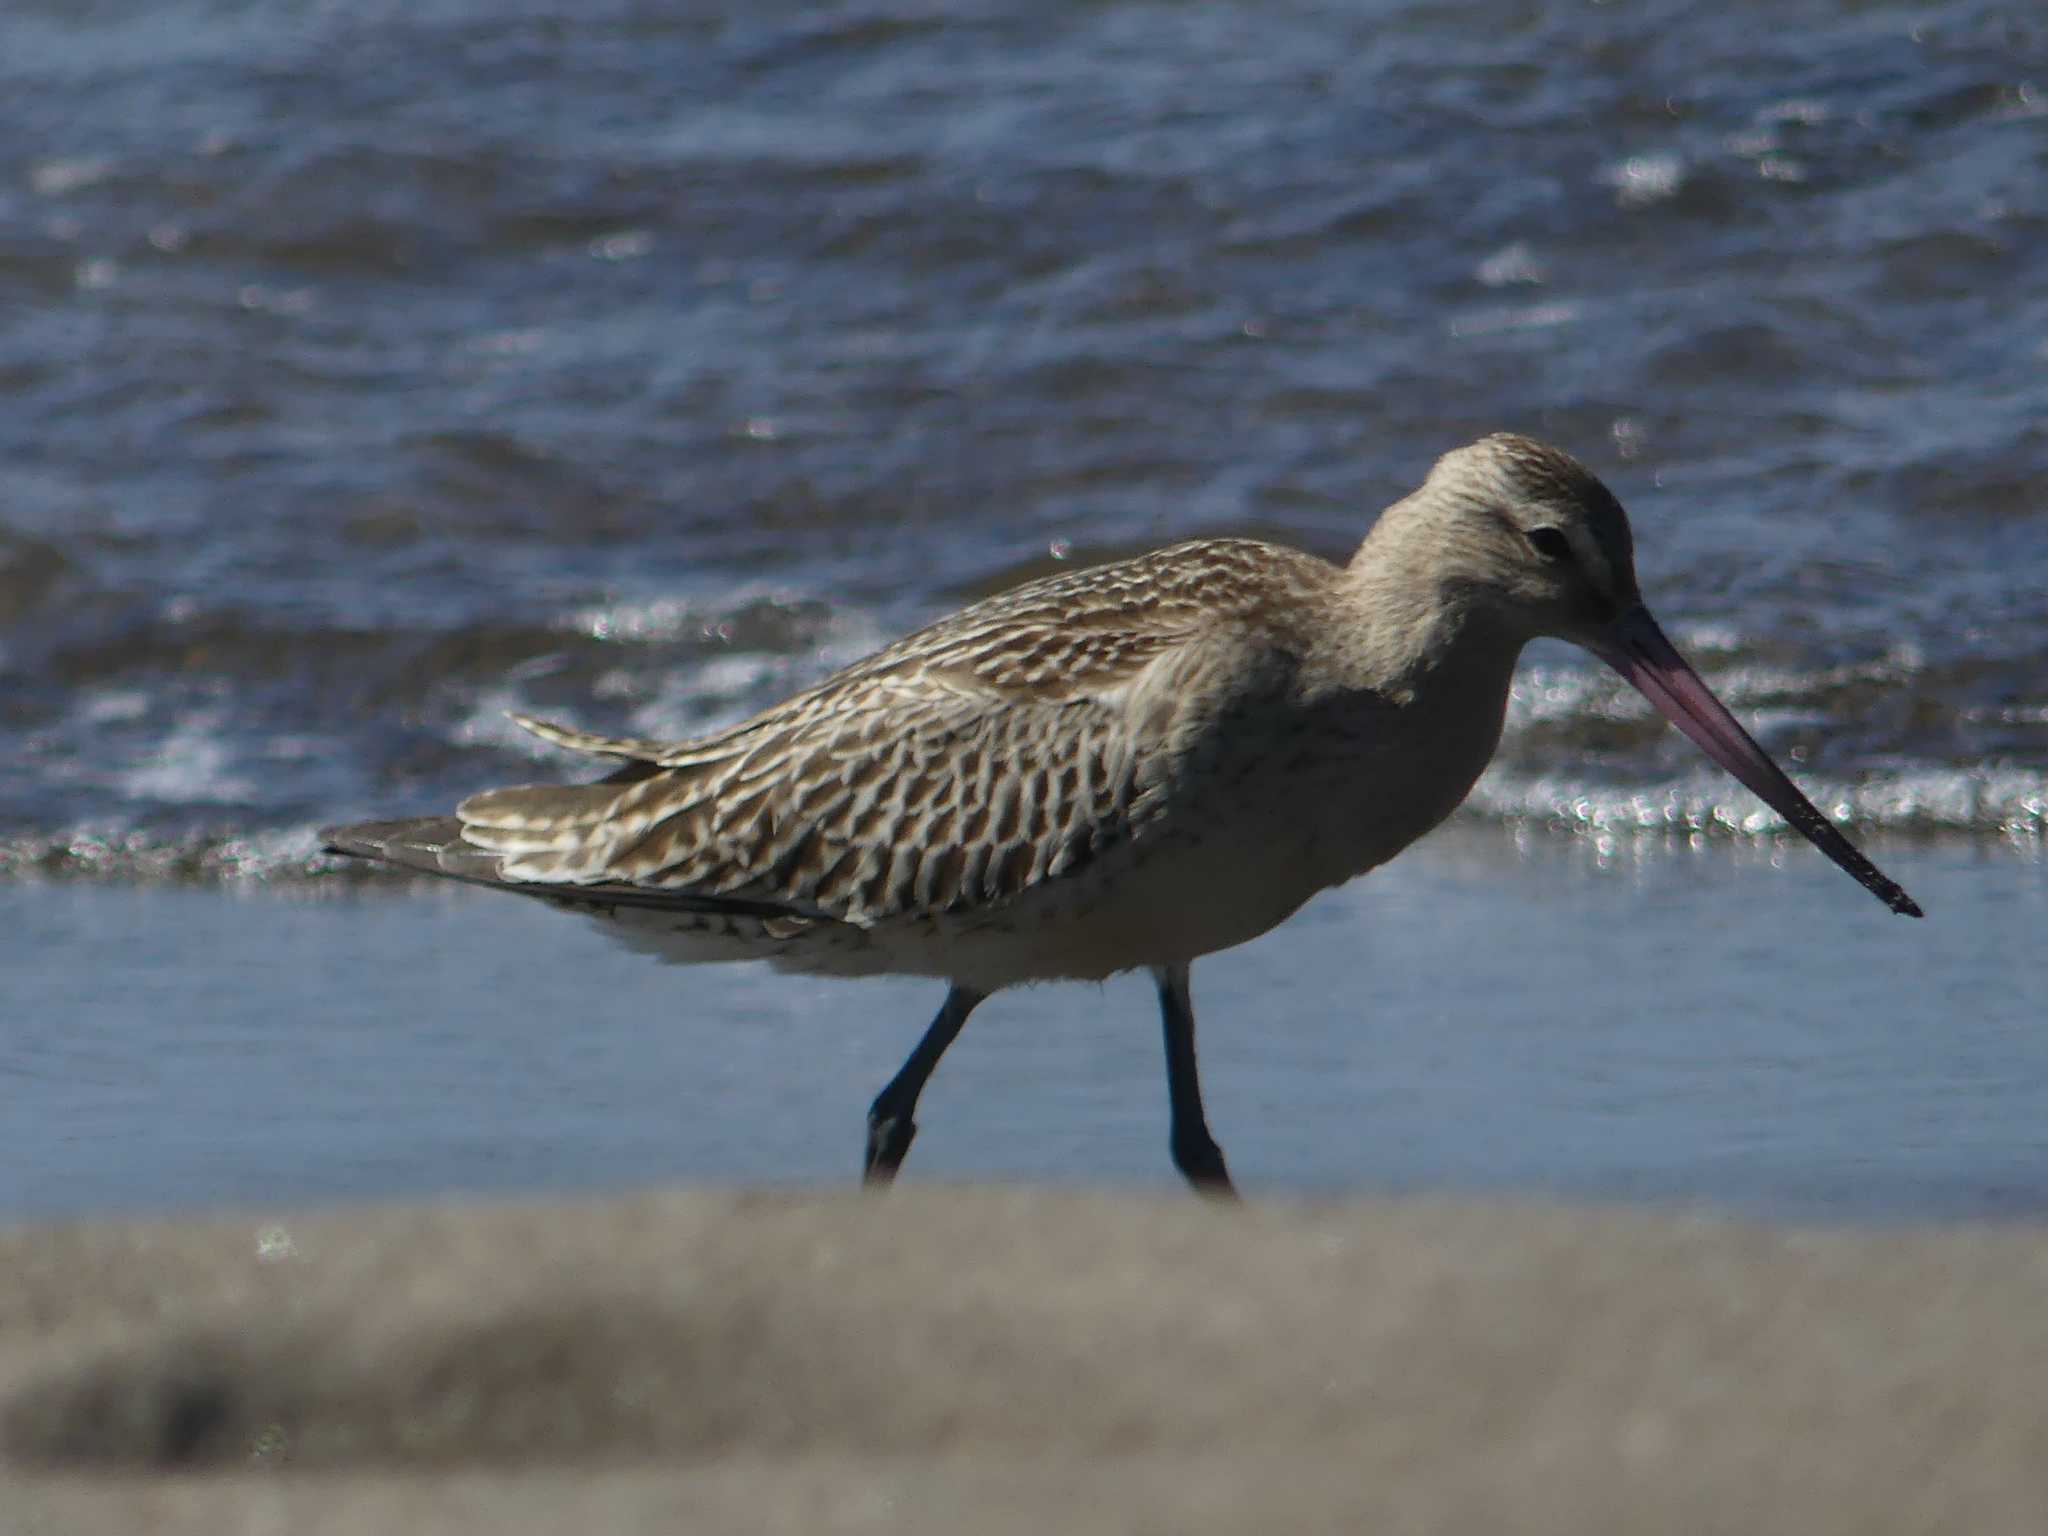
(1318, 790)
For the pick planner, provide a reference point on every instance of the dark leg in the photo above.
(1195, 1154)
(890, 1126)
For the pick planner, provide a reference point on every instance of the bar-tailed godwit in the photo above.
(1124, 767)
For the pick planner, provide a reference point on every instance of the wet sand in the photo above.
(972, 1359)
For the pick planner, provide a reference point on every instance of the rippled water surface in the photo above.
(367, 370)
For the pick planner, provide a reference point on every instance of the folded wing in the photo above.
(955, 770)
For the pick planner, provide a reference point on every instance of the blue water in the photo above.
(371, 369)
(367, 371)
(1730, 1031)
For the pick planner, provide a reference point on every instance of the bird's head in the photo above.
(1528, 536)
(1517, 540)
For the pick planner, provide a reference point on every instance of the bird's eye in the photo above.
(1550, 543)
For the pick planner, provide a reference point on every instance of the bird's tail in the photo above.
(430, 844)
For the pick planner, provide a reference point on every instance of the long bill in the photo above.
(1636, 648)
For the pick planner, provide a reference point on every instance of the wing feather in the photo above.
(972, 760)
(967, 806)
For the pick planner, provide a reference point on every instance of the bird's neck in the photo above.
(1410, 626)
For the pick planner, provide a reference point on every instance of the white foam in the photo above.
(705, 616)
(2012, 800)
(190, 766)
(1514, 263)
(726, 689)
(688, 699)
(488, 723)
(112, 706)
(1520, 317)
(1641, 180)
(61, 177)
(1768, 695)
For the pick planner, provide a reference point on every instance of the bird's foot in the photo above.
(889, 1138)
(1200, 1161)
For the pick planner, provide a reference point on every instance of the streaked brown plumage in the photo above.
(1107, 769)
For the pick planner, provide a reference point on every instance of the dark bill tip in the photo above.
(1636, 648)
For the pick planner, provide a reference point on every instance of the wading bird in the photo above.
(1124, 767)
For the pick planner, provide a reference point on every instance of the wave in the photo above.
(1688, 812)
(223, 779)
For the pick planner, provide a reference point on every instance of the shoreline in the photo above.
(288, 861)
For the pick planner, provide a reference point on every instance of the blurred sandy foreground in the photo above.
(997, 1360)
